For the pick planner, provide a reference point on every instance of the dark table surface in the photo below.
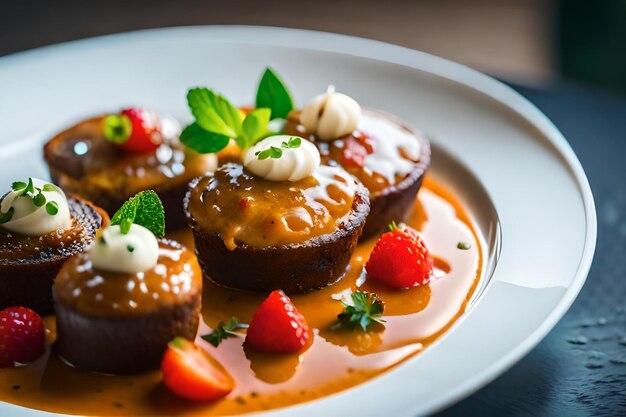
(580, 367)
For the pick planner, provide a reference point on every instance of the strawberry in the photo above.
(355, 149)
(22, 336)
(192, 373)
(277, 327)
(134, 129)
(400, 259)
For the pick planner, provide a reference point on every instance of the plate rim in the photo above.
(386, 52)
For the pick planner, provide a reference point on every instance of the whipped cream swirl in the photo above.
(135, 251)
(331, 115)
(26, 217)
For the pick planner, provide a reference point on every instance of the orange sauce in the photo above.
(334, 360)
(242, 208)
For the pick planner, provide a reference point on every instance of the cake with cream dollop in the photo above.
(109, 158)
(389, 158)
(121, 301)
(281, 221)
(40, 228)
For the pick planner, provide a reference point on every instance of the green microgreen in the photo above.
(273, 94)
(275, 153)
(464, 245)
(39, 199)
(117, 128)
(30, 187)
(5, 217)
(50, 188)
(18, 186)
(224, 331)
(144, 209)
(52, 208)
(366, 308)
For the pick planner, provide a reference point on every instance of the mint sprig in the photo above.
(273, 94)
(224, 331)
(144, 209)
(218, 120)
(366, 308)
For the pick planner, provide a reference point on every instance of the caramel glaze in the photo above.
(389, 149)
(83, 162)
(334, 361)
(242, 208)
(175, 279)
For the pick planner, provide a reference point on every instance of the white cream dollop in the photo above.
(331, 115)
(135, 251)
(295, 164)
(30, 220)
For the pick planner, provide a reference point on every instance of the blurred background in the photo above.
(566, 56)
(524, 41)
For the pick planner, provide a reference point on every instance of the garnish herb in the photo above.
(366, 308)
(144, 209)
(30, 188)
(393, 226)
(23, 189)
(39, 199)
(52, 208)
(50, 188)
(117, 128)
(18, 185)
(5, 217)
(272, 93)
(218, 120)
(275, 153)
(463, 245)
(224, 331)
(130, 248)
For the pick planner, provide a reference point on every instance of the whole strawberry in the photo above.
(277, 327)
(22, 336)
(134, 129)
(400, 259)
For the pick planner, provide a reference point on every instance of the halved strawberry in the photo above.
(134, 129)
(400, 259)
(277, 327)
(192, 373)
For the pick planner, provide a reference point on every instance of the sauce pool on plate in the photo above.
(333, 361)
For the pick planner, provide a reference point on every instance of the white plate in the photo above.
(533, 178)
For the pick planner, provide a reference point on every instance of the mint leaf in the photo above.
(366, 309)
(202, 141)
(213, 112)
(273, 93)
(144, 209)
(255, 125)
